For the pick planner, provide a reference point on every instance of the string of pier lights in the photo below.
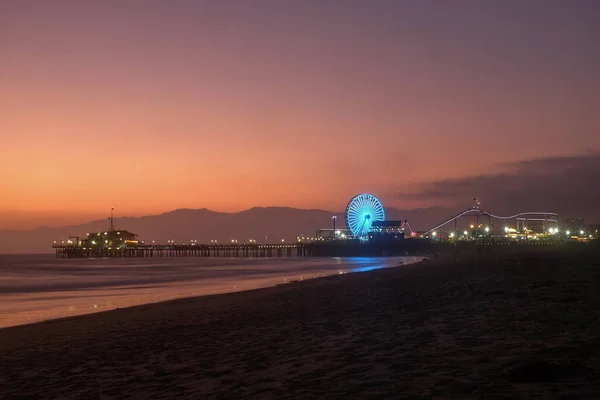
(554, 231)
(194, 242)
(507, 230)
(307, 239)
(452, 235)
(235, 241)
(170, 242)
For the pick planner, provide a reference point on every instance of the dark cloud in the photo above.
(567, 185)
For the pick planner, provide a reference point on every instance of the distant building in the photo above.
(111, 238)
(573, 224)
(386, 231)
(592, 230)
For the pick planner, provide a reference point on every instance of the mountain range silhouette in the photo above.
(263, 224)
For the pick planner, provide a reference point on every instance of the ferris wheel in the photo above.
(361, 212)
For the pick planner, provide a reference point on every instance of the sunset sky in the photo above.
(153, 105)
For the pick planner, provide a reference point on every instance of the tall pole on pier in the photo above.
(112, 225)
(333, 219)
(476, 204)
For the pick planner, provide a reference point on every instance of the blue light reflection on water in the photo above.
(368, 268)
(364, 264)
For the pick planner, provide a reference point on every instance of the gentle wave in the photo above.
(37, 288)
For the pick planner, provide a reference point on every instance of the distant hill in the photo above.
(260, 223)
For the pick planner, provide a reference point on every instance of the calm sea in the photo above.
(40, 287)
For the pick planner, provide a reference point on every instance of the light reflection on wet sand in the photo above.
(36, 288)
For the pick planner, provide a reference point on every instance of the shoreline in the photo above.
(215, 288)
(199, 297)
(499, 326)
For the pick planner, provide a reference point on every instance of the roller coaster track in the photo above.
(553, 217)
(412, 231)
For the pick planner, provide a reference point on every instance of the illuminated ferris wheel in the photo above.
(361, 212)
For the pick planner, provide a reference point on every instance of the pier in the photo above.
(341, 248)
(367, 234)
(196, 250)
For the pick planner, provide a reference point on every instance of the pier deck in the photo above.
(234, 250)
(412, 247)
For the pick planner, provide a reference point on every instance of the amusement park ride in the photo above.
(365, 221)
(529, 225)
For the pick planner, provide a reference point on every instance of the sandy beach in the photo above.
(471, 327)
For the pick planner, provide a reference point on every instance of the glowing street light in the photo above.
(466, 233)
(487, 229)
(581, 233)
(568, 233)
(451, 234)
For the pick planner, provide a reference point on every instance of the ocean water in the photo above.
(40, 287)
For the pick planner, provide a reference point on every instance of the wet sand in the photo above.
(471, 327)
